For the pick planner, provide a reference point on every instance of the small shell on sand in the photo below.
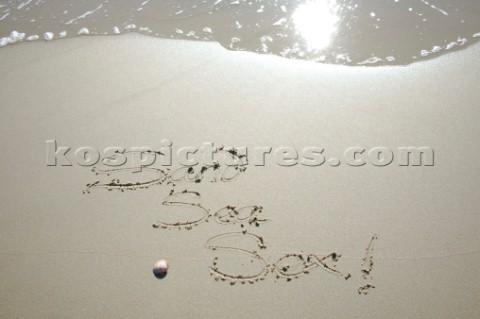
(160, 268)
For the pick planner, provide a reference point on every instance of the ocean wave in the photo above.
(348, 32)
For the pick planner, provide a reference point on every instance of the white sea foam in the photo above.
(83, 31)
(48, 36)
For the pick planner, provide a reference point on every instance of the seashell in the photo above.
(160, 268)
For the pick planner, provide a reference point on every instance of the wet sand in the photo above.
(65, 254)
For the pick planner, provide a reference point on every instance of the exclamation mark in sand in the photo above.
(367, 267)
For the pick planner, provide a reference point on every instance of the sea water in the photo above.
(348, 32)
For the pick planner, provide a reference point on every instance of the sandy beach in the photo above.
(408, 236)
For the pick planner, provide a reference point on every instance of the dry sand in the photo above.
(64, 254)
